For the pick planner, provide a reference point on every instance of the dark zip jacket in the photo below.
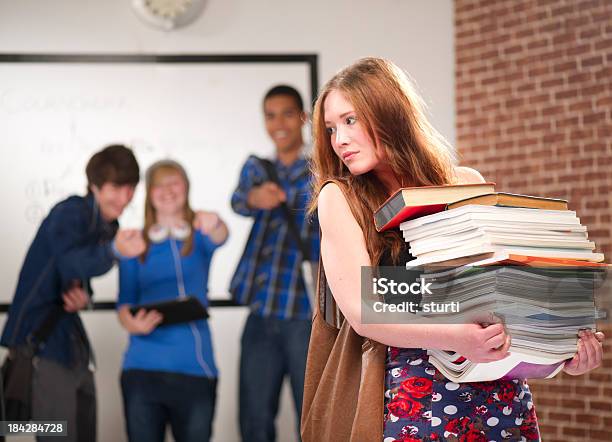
(73, 243)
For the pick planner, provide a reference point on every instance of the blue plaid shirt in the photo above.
(268, 277)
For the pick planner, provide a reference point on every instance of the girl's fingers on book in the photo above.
(506, 346)
(493, 330)
(600, 336)
(496, 341)
(572, 364)
(501, 352)
(594, 351)
(588, 356)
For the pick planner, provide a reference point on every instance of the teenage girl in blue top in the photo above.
(169, 373)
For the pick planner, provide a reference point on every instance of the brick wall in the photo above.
(534, 115)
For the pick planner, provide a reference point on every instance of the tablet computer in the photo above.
(176, 311)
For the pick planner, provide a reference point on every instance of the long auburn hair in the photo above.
(393, 115)
(155, 173)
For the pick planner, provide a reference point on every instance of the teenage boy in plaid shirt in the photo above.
(268, 278)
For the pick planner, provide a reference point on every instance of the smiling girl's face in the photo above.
(168, 193)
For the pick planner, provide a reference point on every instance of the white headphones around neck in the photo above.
(158, 233)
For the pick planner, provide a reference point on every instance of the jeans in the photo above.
(271, 349)
(153, 399)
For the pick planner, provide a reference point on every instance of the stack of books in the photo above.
(475, 229)
(524, 260)
(542, 309)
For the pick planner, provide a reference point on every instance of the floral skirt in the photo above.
(422, 405)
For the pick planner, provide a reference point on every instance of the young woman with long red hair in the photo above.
(371, 137)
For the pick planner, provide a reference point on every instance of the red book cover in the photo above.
(412, 212)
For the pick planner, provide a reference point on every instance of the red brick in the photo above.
(558, 416)
(573, 403)
(599, 375)
(581, 77)
(601, 16)
(553, 110)
(587, 391)
(513, 49)
(543, 126)
(571, 431)
(600, 405)
(538, 44)
(551, 26)
(573, 51)
(540, 98)
(551, 430)
(571, 93)
(566, 66)
(595, 435)
(553, 138)
(603, 74)
(604, 101)
(576, 22)
(551, 83)
(594, 118)
(582, 162)
(561, 39)
(493, 53)
(592, 61)
(581, 106)
(605, 44)
(587, 418)
(525, 33)
(520, 6)
(528, 114)
(597, 204)
(539, 70)
(589, 33)
(492, 107)
(562, 10)
(490, 80)
(567, 122)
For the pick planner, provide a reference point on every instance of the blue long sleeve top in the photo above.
(181, 348)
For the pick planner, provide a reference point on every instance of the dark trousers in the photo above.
(61, 393)
(152, 400)
(271, 349)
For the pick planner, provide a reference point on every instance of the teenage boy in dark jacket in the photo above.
(75, 242)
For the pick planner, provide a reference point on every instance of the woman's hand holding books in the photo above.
(480, 343)
(589, 355)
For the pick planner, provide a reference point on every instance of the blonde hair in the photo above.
(154, 174)
(393, 115)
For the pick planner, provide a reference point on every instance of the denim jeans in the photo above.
(271, 349)
(153, 399)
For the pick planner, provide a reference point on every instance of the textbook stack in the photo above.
(522, 259)
(542, 310)
(474, 229)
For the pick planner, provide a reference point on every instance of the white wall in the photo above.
(417, 35)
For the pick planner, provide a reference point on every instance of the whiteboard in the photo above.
(207, 116)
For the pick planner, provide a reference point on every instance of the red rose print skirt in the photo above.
(422, 405)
